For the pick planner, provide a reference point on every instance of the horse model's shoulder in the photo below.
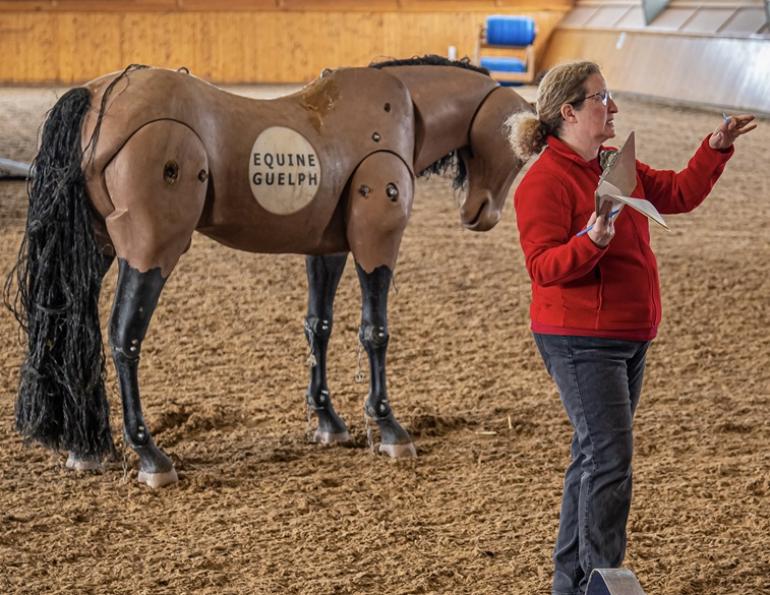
(456, 88)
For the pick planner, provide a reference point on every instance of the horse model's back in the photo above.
(133, 163)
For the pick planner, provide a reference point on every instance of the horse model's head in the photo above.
(461, 112)
(489, 161)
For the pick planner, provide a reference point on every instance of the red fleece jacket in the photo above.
(579, 288)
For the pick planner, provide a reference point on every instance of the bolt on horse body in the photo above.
(131, 164)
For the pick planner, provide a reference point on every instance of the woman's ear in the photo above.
(568, 112)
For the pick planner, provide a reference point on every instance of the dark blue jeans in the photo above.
(599, 381)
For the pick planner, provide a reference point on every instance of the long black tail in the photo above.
(62, 401)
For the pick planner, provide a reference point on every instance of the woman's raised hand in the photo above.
(731, 128)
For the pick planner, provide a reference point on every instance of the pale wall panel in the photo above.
(231, 47)
(696, 70)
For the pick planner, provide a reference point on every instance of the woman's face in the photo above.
(595, 116)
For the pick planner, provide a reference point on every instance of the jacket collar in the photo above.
(563, 150)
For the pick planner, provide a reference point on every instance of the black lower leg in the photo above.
(136, 296)
(373, 335)
(323, 275)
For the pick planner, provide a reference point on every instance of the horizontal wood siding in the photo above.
(45, 44)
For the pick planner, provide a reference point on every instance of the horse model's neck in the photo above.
(445, 99)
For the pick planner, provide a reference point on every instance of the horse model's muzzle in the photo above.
(482, 219)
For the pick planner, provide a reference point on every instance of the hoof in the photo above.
(158, 480)
(78, 464)
(394, 440)
(398, 451)
(330, 438)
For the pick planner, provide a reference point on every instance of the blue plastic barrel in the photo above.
(510, 30)
(502, 64)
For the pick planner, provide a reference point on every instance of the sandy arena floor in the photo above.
(258, 509)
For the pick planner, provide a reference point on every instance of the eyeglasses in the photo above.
(604, 96)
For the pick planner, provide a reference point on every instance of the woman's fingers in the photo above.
(745, 129)
(731, 128)
(740, 124)
(605, 208)
(603, 225)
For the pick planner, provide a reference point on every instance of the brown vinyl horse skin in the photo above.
(159, 154)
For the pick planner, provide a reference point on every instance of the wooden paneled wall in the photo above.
(271, 41)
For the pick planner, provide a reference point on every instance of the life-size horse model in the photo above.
(132, 163)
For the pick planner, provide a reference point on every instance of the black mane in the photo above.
(431, 60)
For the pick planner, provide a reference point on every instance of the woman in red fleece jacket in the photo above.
(595, 297)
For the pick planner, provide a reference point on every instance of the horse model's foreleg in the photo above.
(379, 205)
(323, 275)
(157, 183)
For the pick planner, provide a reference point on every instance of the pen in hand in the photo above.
(583, 232)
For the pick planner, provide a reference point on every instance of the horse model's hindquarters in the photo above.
(157, 183)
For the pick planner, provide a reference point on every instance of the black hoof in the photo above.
(155, 468)
(395, 441)
(331, 429)
(152, 459)
(83, 463)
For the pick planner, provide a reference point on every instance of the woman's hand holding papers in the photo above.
(602, 225)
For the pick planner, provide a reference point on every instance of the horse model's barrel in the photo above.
(510, 30)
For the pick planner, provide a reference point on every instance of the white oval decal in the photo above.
(284, 172)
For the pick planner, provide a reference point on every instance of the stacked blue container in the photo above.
(508, 31)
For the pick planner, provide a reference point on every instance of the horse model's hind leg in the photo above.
(158, 190)
(323, 275)
(379, 205)
(136, 296)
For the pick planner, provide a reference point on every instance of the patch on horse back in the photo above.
(284, 170)
(319, 98)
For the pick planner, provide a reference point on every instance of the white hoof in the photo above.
(78, 464)
(329, 438)
(398, 451)
(158, 480)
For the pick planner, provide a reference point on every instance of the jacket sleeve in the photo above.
(553, 254)
(680, 192)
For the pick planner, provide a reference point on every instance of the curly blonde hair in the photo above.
(562, 84)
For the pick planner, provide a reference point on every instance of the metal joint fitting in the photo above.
(318, 327)
(133, 353)
(379, 410)
(376, 336)
(320, 402)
